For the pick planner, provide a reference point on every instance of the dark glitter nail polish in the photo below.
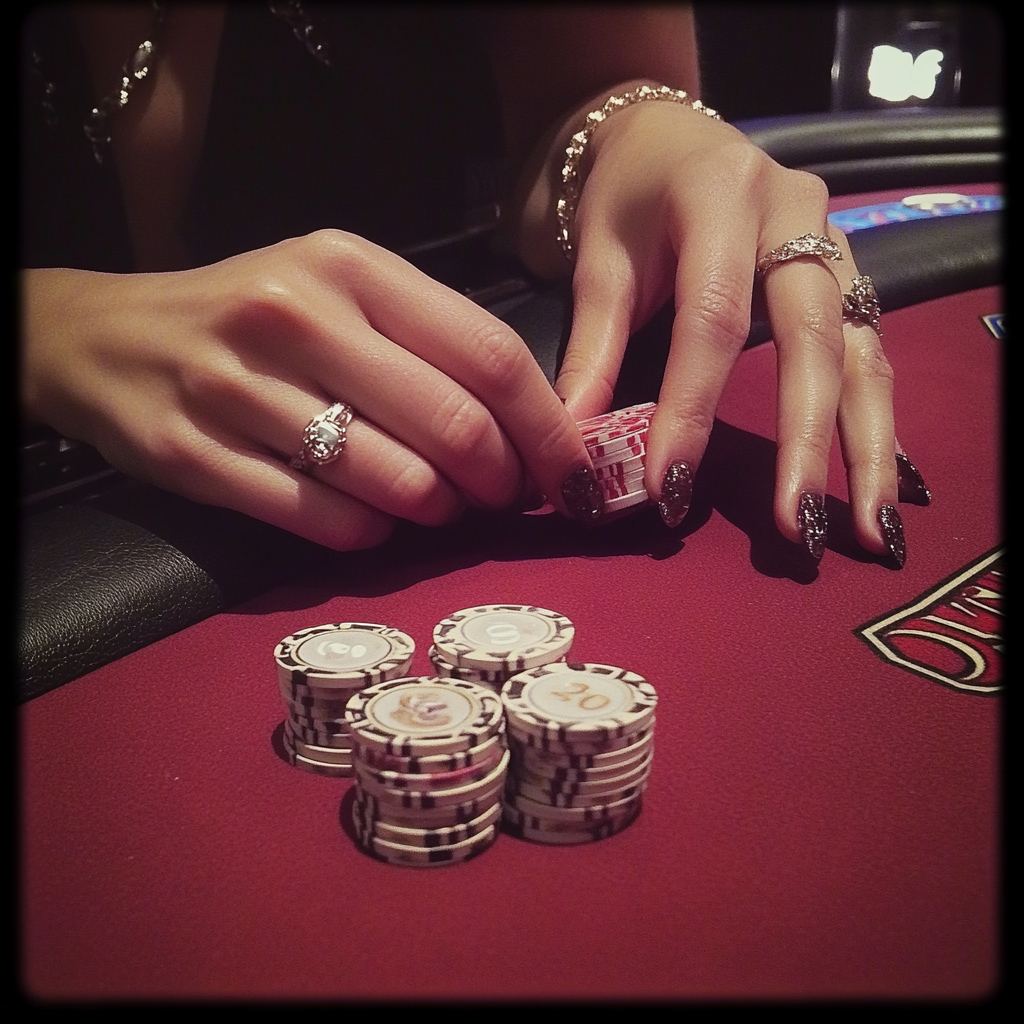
(912, 488)
(582, 495)
(813, 523)
(892, 530)
(676, 493)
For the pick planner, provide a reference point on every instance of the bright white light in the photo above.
(929, 201)
(894, 75)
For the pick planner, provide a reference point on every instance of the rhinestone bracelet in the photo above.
(569, 198)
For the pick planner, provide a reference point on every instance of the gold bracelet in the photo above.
(569, 197)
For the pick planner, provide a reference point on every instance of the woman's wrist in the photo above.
(556, 170)
(533, 219)
(42, 295)
(573, 173)
(59, 308)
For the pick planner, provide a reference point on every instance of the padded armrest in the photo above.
(95, 586)
(920, 260)
(901, 148)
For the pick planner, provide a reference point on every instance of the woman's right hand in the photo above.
(202, 381)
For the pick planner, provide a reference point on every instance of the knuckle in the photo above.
(577, 376)
(874, 459)
(737, 165)
(181, 463)
(498, 355)
(267, 305)
(690, 422)
(418, 491)
(721, 310)
(215, 380)
(414, 486)
(823, 334)
(461, 424)
(549, 447)
(869, 363)
(332, 247)
(741, 172)
(810, 443)
(348, 263)
(806, 188)
(269, 292)
(604, 272)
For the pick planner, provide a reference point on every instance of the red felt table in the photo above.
(822, 819)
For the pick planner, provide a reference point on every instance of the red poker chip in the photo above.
(611, 491)
(620, 470)
(635, 425)
(634, 472)
(634, 429)
(626, 484)
(614, 424)
(628, 501)
(620, 458)
(628, 443)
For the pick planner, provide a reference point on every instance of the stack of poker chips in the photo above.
(318, 670)
(490, 643)
(430, 762)
(617, 444)
(581, 739)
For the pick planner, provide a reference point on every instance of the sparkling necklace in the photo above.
(140, 64)
(136, 68)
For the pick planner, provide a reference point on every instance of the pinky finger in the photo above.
(260, 486)
(867, 438)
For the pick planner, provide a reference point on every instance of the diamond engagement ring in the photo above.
(323, 440)
(806, 245)
(861, 303)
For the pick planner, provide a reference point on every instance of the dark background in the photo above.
(768, 59)
(758, 60)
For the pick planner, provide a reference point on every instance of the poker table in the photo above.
(822, 819)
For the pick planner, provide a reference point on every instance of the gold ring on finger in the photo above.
(861, 303)
(324, 438)
(806, 245)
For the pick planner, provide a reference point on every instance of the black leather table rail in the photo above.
(901, 148)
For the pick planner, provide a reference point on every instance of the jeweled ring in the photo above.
(806, 245)
(324, 438)
(861, 303)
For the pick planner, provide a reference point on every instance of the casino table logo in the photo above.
(996, 323)
(953, 633)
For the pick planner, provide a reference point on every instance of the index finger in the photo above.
(487, 358)
(712, 319)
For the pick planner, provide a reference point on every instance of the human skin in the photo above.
(201, 379)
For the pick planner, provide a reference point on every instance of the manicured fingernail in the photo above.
(582, 495)
(676, 493)
(892, 529)
(813, 523)
(912, 488)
